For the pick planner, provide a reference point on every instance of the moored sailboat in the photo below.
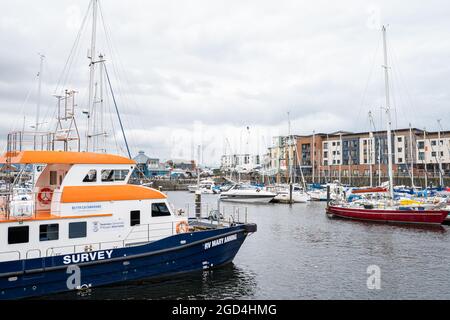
(386, 209)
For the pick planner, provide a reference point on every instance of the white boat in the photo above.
(205, 187)
(283, 196)
(321, 194)
(248, 194)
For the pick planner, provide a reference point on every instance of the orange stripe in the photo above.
(109, 193)
(64, 157)
(51, 217)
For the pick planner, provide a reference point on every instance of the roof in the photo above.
(63, 157)
(141, 158)
(109, 193)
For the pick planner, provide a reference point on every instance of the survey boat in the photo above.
(84, 226)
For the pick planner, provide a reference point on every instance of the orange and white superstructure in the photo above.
(81, 200)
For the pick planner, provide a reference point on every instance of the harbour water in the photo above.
(299, 253)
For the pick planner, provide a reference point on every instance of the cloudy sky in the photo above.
(225, 74)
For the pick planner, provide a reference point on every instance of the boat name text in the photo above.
(220, 241)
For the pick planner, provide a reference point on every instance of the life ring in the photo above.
(182, 227)
(45, 195)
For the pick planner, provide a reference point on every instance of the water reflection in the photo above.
(227, 282)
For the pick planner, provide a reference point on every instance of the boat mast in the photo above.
(38, 104)
(340, 157)
(388, 116)
(424, 158)
(91, 57)
(441, 182)
(313, 155)
(370, 152)
(411, 155)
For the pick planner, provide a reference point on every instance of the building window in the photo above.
(111, 175)
(160, 210)
(48, 232)
(77, 230)
(325, 145)
(433, 154)
(400, 160)
(91, 176)
(355, 173)
(433, 142)
(399, 149)
(399, 139)
(53, 178)
(18, 234)
(135, 217)
(421, 145)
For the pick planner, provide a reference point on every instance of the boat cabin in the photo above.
(79, 201)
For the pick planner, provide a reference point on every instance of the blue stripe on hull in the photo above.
(145, 261)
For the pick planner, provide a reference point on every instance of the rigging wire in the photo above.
(120, 69)
(363, 99)
(117, 110)
(69, 61)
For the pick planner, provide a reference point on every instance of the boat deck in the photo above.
(38, 215)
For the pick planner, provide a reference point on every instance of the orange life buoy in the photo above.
(45, 195)
(182, 227)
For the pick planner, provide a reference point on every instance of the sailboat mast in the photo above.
(424, 158)
(38, 104)
(340, 160)
(411, 155)
(441, 182)
(313, 156)
(92, 69)
(388, 116)
(370, 154)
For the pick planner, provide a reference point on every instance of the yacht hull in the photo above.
(247, 199)
(180, 253)
(398, 216)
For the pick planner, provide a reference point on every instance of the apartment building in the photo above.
(240, 163)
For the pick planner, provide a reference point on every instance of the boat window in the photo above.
(18, 234)
(111, 175)
(135, 217)
(53, 180)
(160, 210)
(77, 230)
(91, 176)
(48, 232)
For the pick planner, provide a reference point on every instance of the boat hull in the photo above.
(181, 253)
(398, 216)
(247, 199)
(296, 198)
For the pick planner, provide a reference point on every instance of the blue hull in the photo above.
(176, 254)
